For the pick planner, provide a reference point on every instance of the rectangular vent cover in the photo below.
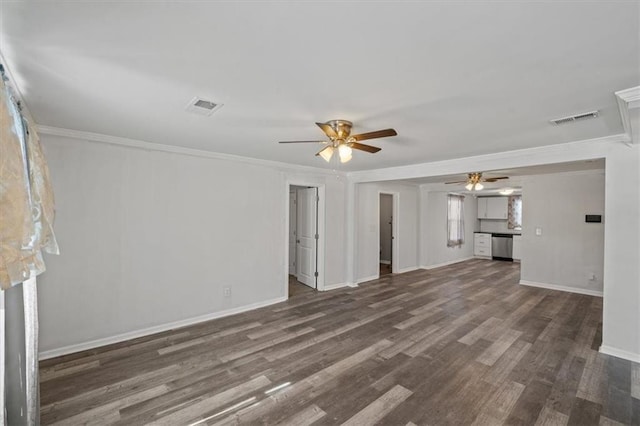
(577, 117)
(202, 106)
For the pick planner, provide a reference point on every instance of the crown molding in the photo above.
(15, 89)
(587, 149)
(628, 99)
(630, 96)
(151, 146)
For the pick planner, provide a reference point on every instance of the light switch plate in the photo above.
(538, 231)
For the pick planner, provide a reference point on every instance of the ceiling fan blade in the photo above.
(460, 181)
(301, 142)
(328, 130)
(363, 147)
(493, 179)
(373, 135)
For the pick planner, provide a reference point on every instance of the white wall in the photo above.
(621, 322)
(150, 238)
(335, 220)
(367, 229)
(569, 249)
(495, 225)
(433, 229)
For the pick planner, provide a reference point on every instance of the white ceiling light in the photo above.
(474, 186)
(345, 152)
(326, 153)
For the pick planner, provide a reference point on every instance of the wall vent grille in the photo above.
(201, 106)
(577, 117)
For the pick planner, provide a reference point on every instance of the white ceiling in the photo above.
(454, 79)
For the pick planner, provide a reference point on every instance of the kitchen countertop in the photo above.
(510, 233)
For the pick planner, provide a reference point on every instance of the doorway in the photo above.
(386, 233)
(305, 241)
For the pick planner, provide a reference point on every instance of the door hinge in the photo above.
(317, 237)
(315, 274)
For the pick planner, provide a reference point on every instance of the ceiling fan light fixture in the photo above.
(345, 153)
(327, 153)
(469, 186)
(479, 186)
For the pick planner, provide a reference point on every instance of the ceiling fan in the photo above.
(341, 139)
(474, 181)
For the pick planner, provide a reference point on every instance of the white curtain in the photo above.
(26, 230)
(455, 220)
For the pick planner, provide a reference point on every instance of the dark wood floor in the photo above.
(385, 269)
(463, 344)
(296, 288)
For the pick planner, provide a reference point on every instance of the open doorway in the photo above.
(386, 233)
(304, 240)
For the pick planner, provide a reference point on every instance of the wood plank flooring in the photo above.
(458, 345)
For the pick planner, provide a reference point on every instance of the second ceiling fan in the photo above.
(474, 181)
(341, 140)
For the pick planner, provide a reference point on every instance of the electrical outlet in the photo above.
(538, 231)
(226, 291)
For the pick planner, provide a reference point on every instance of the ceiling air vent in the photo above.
(577, 117)
(202, 106)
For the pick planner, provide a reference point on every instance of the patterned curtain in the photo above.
(26, 230)
(515, 212)
(455, 220)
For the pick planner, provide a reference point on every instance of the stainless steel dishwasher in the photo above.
(502, 246)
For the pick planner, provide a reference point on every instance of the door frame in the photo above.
(395, 202)
(320, 282)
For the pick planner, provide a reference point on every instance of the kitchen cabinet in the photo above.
(482, 244)
(493, 207)
(517, 247)
(482, 207)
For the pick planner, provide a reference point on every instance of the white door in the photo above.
(292, 232)
(306, 232)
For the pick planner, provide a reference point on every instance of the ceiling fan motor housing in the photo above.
(341, 127)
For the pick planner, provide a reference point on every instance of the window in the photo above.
(515, 212)
(455, 220)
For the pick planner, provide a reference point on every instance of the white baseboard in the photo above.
(365, 279)
(619, 353)
(451, 262)
(385, 262)
(335, 286)
(52, 353)
(403, 270)
(562, 288)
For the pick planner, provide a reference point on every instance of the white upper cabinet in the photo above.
(493, 207)
(482, 208)
(497, 207)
